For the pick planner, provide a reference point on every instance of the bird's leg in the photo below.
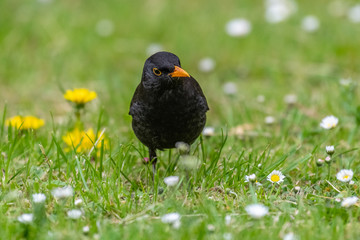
(153, 160)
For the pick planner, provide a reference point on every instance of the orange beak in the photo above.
(179, 72)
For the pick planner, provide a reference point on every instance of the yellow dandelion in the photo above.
(24, 123)
(83, 140)
(80, 96)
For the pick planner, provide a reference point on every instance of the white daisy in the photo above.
(206, 64)
(38, 198)
(260, 98)
(74, 214)
(238, 27)
(269, 120)
(208, 131)
(227, 236)
(346, 82)
(86, 229)
(171, 180)
(290, 236)
(290, 99)
(351, 182)
(256, 210)
(78, 201)
(328, 159)
(250, 178)
(320, 162)
(276, 177)
(329, 122)
(330, 150)
(345, 175)
(173, 219)
(63, 192)
(279, 10)
(230, 88)
(354, 14)
(182, 147)
(310, 24)
(349, 201)
(227, 220)
(105, 27)
(26, 218)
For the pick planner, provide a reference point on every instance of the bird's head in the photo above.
(162, 70)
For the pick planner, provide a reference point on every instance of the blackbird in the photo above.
(168, 105)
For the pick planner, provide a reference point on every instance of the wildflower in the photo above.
(256, 210)
(83, 141)
(38, 198)
(78, 201)
(80, 96)
(330, 150)
(329, 122)
(328, 159)
(172, 219)
(259, 165)
(211, 228)
(238, 27)
(182, 147)
(320, 162)
(349, 201)
(345, 175)
(64, 192)
(230, 88)
(227, 220)
(25, 123)
(351, 182)
(279, 10)
(104, 27)
(260, 98)
(354, 14)
(250, 178)
(310, 24)
(290, 236)
(276, 177)
(290, 99)
(269, 120)
(206, 64)
(26, 218)
(346, 82)
(86, 229)
(154, 48)
(171, 180)
(227, 236)
(297, 189)
(74, 214)
(208, 131)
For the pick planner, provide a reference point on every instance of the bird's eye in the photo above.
(156, 71)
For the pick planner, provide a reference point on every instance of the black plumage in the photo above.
(168, 105)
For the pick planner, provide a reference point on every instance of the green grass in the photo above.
(48, 48)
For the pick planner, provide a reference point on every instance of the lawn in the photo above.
(271, 87)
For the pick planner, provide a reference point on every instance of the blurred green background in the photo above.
(48, 46)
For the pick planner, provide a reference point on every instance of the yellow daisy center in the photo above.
(275, 178)
(346, 176)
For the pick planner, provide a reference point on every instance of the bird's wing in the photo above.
(199, 91)
(135, 100)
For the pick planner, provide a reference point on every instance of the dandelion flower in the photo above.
(238, 27)
(74, 214)
(348, 202)
(83, 140)
(256, 210)
(276, 177)
(171, 180)
(329, 122)
(206, 64)
(25, 123)
(310, 24)
(26, 218)
(345, 175)
(38, 198)
(80, 96)
(64, 192)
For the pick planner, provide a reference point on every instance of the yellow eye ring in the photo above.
(156, 71)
